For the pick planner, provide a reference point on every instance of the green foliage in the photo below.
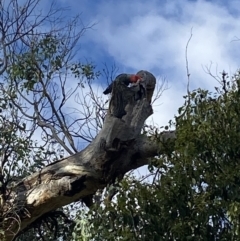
(15, 148)
(33, 71)
(50, 227)
(38, 55)
(45, 59)
(195, 192)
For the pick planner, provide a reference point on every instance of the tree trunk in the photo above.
(118, 148)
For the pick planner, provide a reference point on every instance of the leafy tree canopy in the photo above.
(194, 190)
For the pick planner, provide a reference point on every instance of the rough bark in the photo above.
(117, 149)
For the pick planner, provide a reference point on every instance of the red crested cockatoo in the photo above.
(125, 79)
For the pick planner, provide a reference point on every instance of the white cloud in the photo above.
(154, 37)
(150, 39)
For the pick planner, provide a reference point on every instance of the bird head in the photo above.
(134, 78)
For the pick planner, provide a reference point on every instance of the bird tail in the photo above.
(108, 90)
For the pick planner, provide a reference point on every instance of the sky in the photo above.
(152, 35)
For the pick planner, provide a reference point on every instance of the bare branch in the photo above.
(186, 58)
